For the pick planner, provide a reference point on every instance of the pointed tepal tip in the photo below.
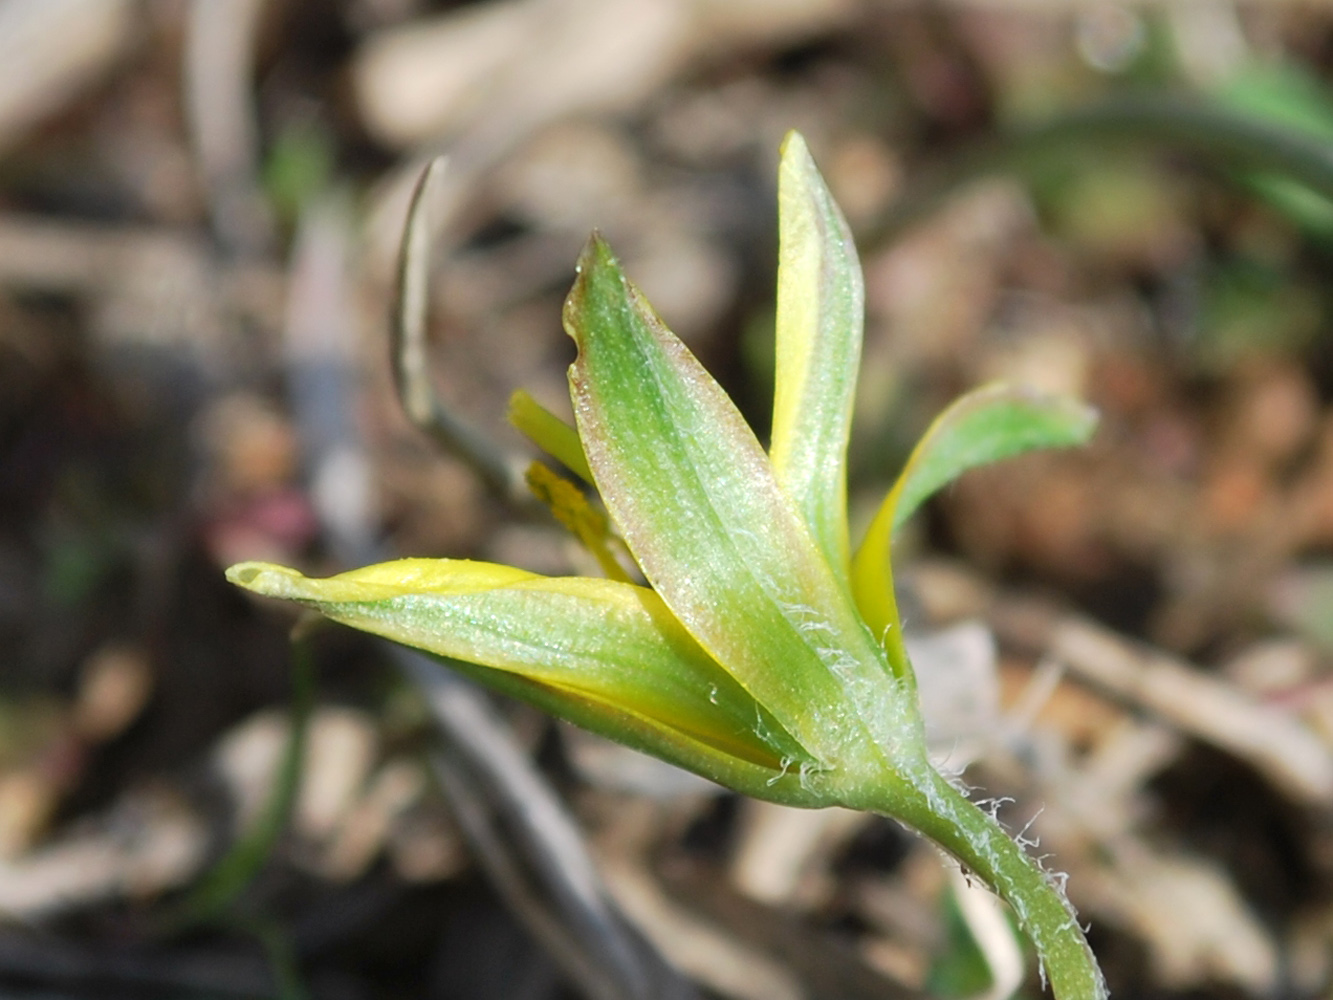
(595, 262)
(265, 578)
(244, 574)
(595, 251)
(798, 175)
(793, 144)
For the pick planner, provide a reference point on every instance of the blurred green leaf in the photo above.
(300, 165)
(1287, 94)
(1250, 309)
(960, 970)
(76, 562)
(1117, 206)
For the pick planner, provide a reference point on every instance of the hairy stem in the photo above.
(942, 813)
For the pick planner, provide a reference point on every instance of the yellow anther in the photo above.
(571, 508)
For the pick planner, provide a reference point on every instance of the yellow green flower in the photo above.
(762, 652)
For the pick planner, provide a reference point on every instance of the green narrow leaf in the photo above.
(695, 498)
(604, 654)
(986, 425)
(820, 315)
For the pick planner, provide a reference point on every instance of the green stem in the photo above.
(1232, 140)
(228, 878)
(942, 813)
(282, 959)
